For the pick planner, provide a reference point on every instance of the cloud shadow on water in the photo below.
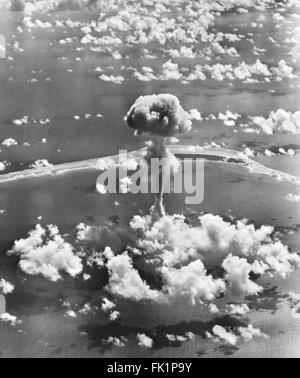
(99, 333)
(32, 303)
(227, 350)
(269, 300)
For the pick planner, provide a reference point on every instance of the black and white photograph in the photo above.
(149, 181)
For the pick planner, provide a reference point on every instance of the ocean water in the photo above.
(67, 200)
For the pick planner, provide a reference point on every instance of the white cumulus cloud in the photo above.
(45, 252)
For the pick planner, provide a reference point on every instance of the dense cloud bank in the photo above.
(45, 252)
(279, 121)
(56, 5)
(209, 261)
(182, 255)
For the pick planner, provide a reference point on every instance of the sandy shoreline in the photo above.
(224, 156)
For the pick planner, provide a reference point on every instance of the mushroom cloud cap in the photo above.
(158, 115)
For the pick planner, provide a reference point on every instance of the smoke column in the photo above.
(2, 305)
(161, 117)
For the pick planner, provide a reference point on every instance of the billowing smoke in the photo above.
(162, 118)
(2, 305)
(158, 115)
